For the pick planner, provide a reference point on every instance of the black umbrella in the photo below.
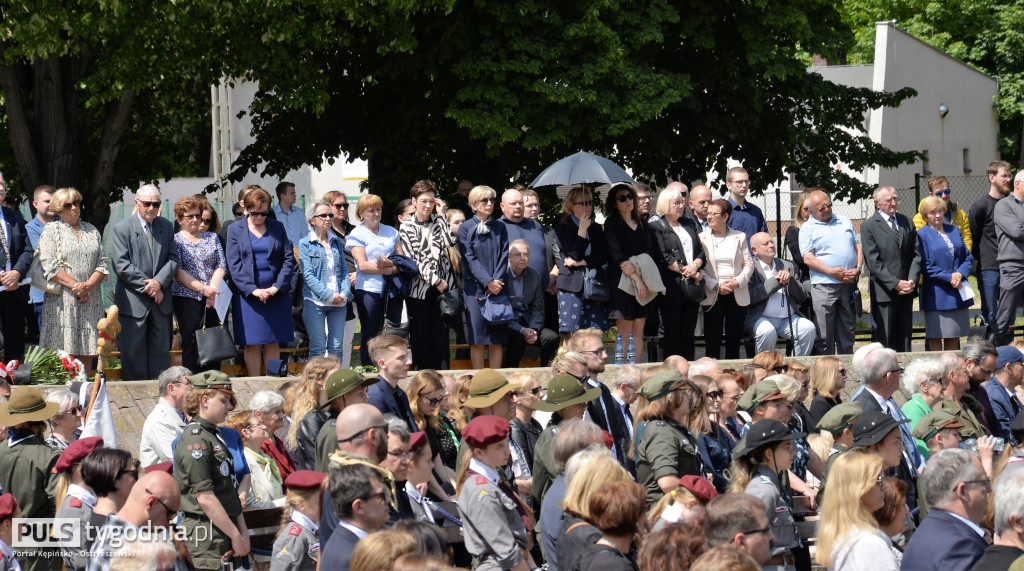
(581, 168)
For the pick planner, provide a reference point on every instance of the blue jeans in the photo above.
(325, 326)
(988, 283)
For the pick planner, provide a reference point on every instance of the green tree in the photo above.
(494, 91)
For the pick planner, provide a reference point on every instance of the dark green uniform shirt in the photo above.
(203, 463)
(544, 468)
(26, 471)
(326, 444)
(665, 448)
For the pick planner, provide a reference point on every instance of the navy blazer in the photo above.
(1002, 407)
(242, 266)
(937, 267)
(18, 243)
(133, 264)
(336, 552)
(943, 542)
(486, 255)
(664, 244)
(529, 308)
(572, 246)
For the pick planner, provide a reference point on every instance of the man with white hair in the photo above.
(165, 423)
(707, 366)
(1008, 217)
(145, 261)
(950, 538)
(1008, 542)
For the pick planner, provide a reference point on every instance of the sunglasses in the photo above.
(191, 216)
(76, 204)
(170, 512)
(150, 203)
(945, 192)
(259, 212)
(325, 216)
(341, 205)
(487, 200)
(842, 372)
(780, 369)
(715, 395)
(625, 197)
(206, 221)
(382, 427)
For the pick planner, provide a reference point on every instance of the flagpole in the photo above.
(108, 327)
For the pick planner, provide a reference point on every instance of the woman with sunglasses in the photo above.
(67, 420)
(483, 243)
(828, 379)
(201, 269)
(584, 251)
(715, 442)
(266, 485)
(210, 222)
(261, 263)
(110, 473)
(426, 391)
(325, 287)
(626, 236)
(71, 255)
(849, 538)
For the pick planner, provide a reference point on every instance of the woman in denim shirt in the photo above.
(325, 290)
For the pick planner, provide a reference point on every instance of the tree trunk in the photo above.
(22, 140)
(110, 146)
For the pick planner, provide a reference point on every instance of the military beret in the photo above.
(485, 430)
(161, 467)
(417, 440)
(699, 487)
(304, 480)
(75, 452)
(8, 505)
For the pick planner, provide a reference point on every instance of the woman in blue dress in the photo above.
(483, 242)
(261, 264)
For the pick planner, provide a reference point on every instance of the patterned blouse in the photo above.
(199, 260)
(427, 243)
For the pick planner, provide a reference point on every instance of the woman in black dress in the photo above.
(626, 236)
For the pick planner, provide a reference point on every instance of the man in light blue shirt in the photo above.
(833, 253)
(293, 218)
(41, 202)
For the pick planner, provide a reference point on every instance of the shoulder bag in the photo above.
(497, 309)
(35, 273)
(214, 344)
(595, 289)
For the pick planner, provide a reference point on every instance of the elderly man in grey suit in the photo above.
(894, 264)
(1008, 217)
(775, 296)
(145, 261)
(526, 288)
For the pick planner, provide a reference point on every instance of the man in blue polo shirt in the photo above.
(832, 251)
(293, 218)
(746, 217)
(41, 202)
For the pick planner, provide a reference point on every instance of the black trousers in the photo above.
(189, 313)
(13, 309)
(547, 340)
(725, 315)
(428, 332)
(679, 321)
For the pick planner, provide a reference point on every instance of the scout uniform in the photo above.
(298, 546)
(765, 486)
(27, 462)
(836, 421)
(337, 385)
(8, 561)
(933, 423)
(79, 502)
(203, 463)
(563, 391)
(494, 518)
(486, 388)
(663, 446)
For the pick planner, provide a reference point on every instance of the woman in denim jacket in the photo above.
(326, 289)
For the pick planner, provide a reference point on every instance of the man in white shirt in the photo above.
(167, 420)
(774, 299)
(293, 218)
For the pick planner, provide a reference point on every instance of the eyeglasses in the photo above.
(383, 427)
(584, 203)
(206, 221)
(134, 473)
(381, 495)
(488, 200)
(402, 456)
(897, 370)
(645, 197)
(744, 181)
(325, 216)
(938, 380)
(735, 398)
(594, 351)
(74, 410)
(985, 482)
(715, 395)
(341, 205)
(943, 192)
(842, 372)
(713, 213)
(168, 509)
(257, 425)
(986, 371)
(434, 401)
(757, 531)
(259, 212)
(76, 204)
(880, 480)
(192, 216)
(536, 391)
(625, 197)
(149, 203)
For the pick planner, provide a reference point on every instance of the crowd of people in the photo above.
(503, 281)
(673, 466)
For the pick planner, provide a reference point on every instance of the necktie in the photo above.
(3, 242)
(892, 222)
(149, 238)
(910, 452)
(629, 415)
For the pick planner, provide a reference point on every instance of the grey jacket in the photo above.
(1008, 217)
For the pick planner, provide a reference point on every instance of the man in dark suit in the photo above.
(894, 264)
(700, 198)
(526, 288)
(145, 262)
(775, 294)
(604, 411)
(15, 260)
(950, 537)
(881, 374)
(360, 502)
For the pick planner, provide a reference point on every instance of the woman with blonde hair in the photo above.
(67, 420)
(715, 442)
(828, 379)
(585, 253)
(946, 264)
(425, 392)
(458, 412)
(525, 432)
(307, 397)
(483, 242)
(379, 550)
(849, 538)
(583, 477)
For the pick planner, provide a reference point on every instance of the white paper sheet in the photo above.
(966, 292)
(223, 300)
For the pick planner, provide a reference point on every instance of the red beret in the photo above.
(161, 467)
(304, 480)
(8, 505)
(417, 440)
(609, 440)
(75, 452)
(485, 430)
(699, 487)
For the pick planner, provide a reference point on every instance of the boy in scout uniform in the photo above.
(939, 430)
(838, 422)
(342, 388)
(767, 451)
(495, 520)
(567, 399)
(297, 548)
(206, 477)
(27, 462)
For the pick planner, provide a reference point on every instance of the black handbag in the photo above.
(693, 290)
(595, 289)
(214, 344)
(392, 328)
(451, 302)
